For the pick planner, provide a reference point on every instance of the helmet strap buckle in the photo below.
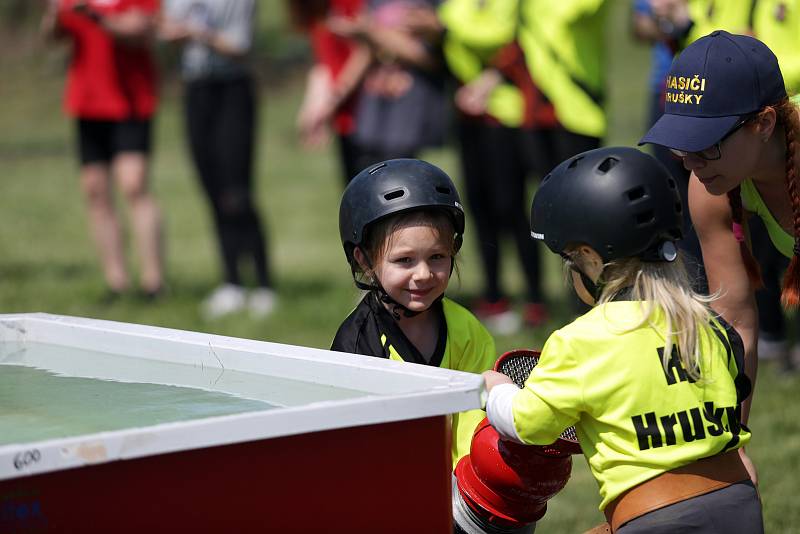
(665, 251)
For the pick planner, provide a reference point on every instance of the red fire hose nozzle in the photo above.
(506, 484)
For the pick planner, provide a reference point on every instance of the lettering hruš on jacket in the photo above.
(635, 417)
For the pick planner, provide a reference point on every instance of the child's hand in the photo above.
(473, 97)
(493, 378)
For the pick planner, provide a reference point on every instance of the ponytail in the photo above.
(750, 263)
(787, 116)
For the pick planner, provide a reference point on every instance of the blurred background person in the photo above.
(111, 94)
(496, 99)
(221, 119)
(564, 45)
(402, 107)
(334, 79)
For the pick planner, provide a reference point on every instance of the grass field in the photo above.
(47, 262)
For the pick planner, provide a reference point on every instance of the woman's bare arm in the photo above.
(726, 272)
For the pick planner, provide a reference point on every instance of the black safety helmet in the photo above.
(395, 186)
(619, 201)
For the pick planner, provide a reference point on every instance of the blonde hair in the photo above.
(662, 287)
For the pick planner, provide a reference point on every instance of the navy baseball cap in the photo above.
(713, 83)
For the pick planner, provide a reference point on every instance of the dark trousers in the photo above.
(354, 159)
(221, 120)
(494, 169)
(771, 322)
(544, 150)
(733, 509)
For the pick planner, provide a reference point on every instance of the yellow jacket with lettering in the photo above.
(464, 345)
(564, 45)
(634, 419)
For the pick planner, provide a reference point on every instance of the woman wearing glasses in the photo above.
(729, 119)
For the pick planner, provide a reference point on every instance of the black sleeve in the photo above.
(359, 333)
(735, 347)
(344, 341)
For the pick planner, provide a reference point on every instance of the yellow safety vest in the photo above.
(634, 419)
(564, 44)
(469, 348)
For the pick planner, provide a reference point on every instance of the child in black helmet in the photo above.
(401, 224)
(651, 378)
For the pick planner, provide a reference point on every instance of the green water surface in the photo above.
(36, 404)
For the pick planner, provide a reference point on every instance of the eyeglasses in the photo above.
(714, 152)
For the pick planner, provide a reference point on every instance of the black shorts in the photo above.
(99, 140)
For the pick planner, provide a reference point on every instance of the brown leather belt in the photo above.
(697, 478)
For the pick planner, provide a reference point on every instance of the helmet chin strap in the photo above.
(594, 289)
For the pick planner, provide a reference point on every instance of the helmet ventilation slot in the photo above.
(574, 162)
(443, 190)
(635, 194)
(607, 165)
(391, 195)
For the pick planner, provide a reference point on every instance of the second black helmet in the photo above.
(618, 200)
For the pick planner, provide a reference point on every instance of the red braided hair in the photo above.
(787, 116)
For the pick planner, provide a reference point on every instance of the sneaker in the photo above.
(226, 299)
(151, 295)
(498, 316)
(535, 314)
(261, 302)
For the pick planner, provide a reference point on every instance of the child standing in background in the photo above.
(651, 378)
(111, 93)
(401, 224)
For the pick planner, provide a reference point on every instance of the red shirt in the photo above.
(107, 79)
(333, 52)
